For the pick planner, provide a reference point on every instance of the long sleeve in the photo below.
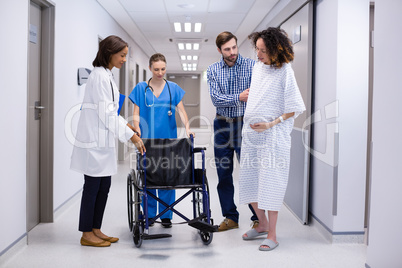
(218, 97)
(108, 104)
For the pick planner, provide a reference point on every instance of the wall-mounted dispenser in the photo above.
(82, 75)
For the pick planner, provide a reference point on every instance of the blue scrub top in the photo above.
(155, 123)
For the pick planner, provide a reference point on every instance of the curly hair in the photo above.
(279, 46)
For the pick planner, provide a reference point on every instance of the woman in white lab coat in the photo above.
(94, 153)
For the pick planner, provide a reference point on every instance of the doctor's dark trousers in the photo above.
(227, 142)
(93, 202)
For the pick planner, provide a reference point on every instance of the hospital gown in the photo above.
(265, 156)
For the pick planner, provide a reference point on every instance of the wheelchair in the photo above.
(168, 164)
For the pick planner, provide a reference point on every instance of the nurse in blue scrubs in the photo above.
(155, 103)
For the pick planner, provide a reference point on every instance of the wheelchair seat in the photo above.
(167, 164)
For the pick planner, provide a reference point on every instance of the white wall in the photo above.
(352, 93)
(13, 86)
(78, 25)
(385, 233)
(341, 75)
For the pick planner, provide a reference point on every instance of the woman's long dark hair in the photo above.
(107, 47)
(279, 46)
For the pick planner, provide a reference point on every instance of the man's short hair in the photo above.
(223, 38)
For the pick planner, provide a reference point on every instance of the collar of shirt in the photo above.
(109, 72)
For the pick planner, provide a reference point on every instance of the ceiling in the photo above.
(150, 24)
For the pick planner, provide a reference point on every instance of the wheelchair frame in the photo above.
(138, 220)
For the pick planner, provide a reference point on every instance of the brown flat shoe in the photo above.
(111, 239)
(254, 224)
(85, 242)
(227, 224)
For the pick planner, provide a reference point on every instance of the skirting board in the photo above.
(342, 237)
(13, 250)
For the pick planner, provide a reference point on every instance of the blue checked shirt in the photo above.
(226, 83)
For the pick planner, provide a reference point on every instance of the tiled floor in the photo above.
(57, 244)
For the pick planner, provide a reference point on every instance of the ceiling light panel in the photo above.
(177, 27)
(187, 27)
(197, 27)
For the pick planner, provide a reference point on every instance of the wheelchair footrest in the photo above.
(202, 225)
(155, 236)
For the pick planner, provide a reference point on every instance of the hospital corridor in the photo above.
(268, 129)
(55, 244)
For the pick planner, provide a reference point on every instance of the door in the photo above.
(40, 107)
(299, 28)
(191, 100)
(34, 115)
(370, 121)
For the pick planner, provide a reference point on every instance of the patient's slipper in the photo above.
(252, 233)
(268, 242)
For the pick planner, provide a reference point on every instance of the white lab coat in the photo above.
(94, 152)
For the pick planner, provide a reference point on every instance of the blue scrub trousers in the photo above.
(168, 196)
(227, 141)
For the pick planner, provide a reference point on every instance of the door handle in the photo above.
(38, 110)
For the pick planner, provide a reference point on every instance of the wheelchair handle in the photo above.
(199, 149)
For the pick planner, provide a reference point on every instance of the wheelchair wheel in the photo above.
(138, 231)
(199, 208)
(130, 200)
(206, 237)
(138, 228)
(137, 194)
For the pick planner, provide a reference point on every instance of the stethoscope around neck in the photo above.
(148, 87)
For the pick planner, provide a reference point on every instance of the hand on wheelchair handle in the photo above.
(135, 129)
(138, 143)
(190, 133)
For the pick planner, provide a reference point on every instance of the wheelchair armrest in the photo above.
(199, 149)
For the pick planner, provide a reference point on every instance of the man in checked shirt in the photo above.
(229, 82)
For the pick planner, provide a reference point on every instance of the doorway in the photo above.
(369, 123)
(190, 83)
(40, 113)
(299, 27)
